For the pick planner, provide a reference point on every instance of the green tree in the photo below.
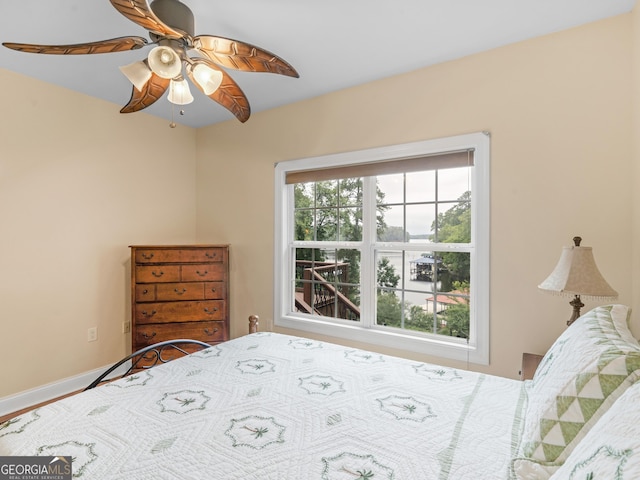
(393, 234)
(303, 199)
(390, 313)
(457, 320)
(454, 226)
(331, 210)
(419, 319)
(386, 274)
(389, 310)
(457, 316)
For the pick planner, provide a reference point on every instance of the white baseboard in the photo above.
(34, 396)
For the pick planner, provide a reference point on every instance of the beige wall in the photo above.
(559, 115)
(634, 177)
(79, 182)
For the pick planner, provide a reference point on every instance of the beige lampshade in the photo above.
(577, 274)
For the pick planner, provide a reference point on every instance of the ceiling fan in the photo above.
(171, 27)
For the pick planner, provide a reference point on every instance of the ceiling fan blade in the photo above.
(121, 44)
(242, 56)
(228, 94)
(151, 92)
(139, 11)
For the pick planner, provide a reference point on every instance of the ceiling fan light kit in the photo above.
(171, 27)
(165, 62)
(179, 93)
(138, 73)
(206, 77)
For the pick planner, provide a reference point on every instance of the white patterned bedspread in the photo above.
(275, 407)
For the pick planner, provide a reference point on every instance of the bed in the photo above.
(272, 406)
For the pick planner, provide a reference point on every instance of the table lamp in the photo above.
(576, 274)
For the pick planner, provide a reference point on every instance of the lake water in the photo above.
(419, 290)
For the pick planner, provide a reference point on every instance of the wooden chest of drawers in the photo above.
(179, 291)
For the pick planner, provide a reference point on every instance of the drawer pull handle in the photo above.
(202, 274)
(149, 315)
(210, 255)
(209, 332)
(148, 337)
(145, 291)
(180, 292)
(157, 274)
(213, 289)
(210, 311)
(147, 256)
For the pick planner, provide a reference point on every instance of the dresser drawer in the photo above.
(146, 292)
(180, 311)
(201, 272)
(170, 292)
(180, 291)
(157, 273)
(215, 290)
(210, 332)
(159, 255)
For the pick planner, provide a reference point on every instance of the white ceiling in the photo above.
(333, 44)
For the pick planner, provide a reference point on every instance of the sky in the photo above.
(421, 187)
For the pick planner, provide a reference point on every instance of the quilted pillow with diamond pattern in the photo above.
(611, 450)
(588, 367)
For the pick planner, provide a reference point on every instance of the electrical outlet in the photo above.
(126, 327)
(92, 334)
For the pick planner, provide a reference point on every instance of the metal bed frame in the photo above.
(152, 355)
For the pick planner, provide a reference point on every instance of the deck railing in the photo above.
(320, 293)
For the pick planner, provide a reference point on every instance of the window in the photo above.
(388, 246)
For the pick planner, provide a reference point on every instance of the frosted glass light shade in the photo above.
(165, 62)
(138, 73)
(577, 274)
(179, 92)
(208, 78)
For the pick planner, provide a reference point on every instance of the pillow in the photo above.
(611, 449)
(586, 369)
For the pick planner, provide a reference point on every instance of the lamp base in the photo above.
(577, 304)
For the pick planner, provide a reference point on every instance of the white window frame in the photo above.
(474, 350)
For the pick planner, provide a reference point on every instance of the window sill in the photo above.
(428, 345)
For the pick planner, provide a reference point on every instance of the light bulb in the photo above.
(179, 92)
(208, 78)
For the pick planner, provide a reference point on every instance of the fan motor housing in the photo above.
(175, 14)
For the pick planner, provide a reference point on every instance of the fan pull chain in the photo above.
(173, 123)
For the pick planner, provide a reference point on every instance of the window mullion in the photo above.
(368, 268)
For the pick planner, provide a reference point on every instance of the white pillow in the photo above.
(587, 368)
(611, 449)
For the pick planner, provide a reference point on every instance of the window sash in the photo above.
(475, 350)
